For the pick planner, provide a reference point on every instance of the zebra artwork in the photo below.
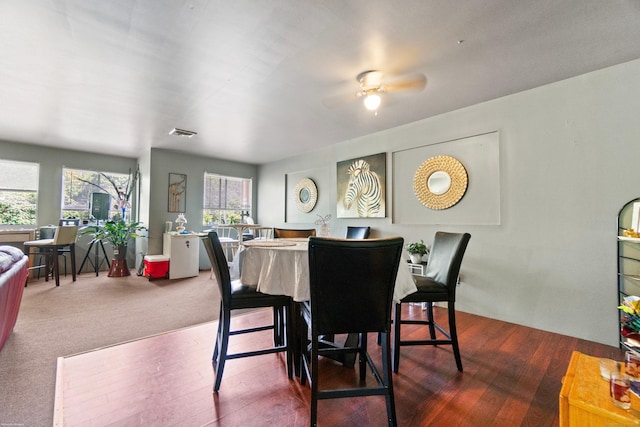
(364, 188)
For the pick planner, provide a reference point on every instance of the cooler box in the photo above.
(156, 266)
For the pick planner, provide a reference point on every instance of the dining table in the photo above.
(281, 267)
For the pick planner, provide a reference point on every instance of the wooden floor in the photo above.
(512, 376)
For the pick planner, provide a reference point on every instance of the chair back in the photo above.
(358, 232)
(264, 233)
(351, 283)
(285, 233)
(219, 265)
(65, 235)
(445, 258)
(47, 232)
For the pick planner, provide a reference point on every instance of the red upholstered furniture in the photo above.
(14, 267)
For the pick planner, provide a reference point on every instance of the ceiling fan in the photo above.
(374, 83)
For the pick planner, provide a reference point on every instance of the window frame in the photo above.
(226, 212)
(13, 186)
(100, 184)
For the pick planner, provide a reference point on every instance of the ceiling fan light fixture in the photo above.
(372, 101)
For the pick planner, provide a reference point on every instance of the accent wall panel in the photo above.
(480, 205)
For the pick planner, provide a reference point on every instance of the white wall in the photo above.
(569, 155)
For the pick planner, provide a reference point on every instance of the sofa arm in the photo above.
(12, 283)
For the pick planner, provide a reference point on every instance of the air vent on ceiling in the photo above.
(182, 132)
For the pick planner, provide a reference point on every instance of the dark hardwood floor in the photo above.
(512, 377)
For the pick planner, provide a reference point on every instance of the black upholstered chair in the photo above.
(358, 232)
(286, 233)
(237, 296)
(351, 289)
(438, 285)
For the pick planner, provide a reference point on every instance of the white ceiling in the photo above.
(115, 76)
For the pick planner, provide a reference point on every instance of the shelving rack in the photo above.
(628, 258)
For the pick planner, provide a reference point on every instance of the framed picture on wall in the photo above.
(361, 187)
(177, 192)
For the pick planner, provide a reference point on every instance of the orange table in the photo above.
(584, 397)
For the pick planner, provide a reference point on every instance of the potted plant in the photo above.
(416, 251)
(118, 233)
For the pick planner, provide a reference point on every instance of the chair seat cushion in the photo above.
(245, 296)
(39, 243)
(240, 289)
(428, 290)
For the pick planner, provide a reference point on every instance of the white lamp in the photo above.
(181, 221)
(372, 101)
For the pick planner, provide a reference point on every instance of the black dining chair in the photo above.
(438, 285)
(351, 290)
(287, 233)
(358, 232)
(236, 296)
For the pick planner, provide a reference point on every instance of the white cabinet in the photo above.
(183, 251)
(417, 269)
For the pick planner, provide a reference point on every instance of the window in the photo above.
(227, 199)
(18, 192)
(78, 187)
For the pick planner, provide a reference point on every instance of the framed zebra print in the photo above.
(361, 187)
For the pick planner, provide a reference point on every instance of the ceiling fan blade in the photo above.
(415, 82)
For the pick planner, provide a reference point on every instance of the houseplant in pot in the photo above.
(118, 233)
(416, 251)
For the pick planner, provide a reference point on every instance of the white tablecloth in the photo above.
(285, 271)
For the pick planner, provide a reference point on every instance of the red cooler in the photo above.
(156, 266)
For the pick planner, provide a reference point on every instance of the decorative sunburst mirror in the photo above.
(440, 182)
(306, 195)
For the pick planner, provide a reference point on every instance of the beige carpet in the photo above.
(91, 313)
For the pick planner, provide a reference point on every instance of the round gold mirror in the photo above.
(306, 195)
(440, 182)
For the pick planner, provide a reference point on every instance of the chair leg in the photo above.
(454, 334)
(314, 382)
(302, 340)
(279, 326)
(432, 323)
(72, 254)
(56, 266)
(387, 379)
(362, 342)
(215, 348)
(222, 344)
(397, 319)
(288, 336)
